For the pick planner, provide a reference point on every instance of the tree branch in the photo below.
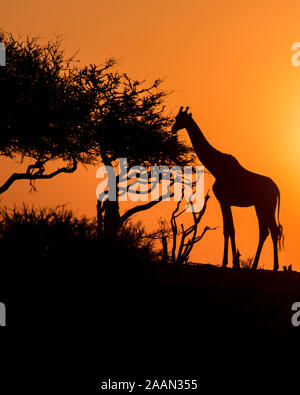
(35, 176)
(142, 207)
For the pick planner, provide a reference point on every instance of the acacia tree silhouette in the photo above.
(44, 110)
(129, 121)
(52, 110)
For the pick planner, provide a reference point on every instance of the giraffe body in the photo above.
(236, 186)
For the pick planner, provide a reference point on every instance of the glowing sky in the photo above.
(229, 61)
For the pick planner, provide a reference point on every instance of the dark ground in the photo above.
(259, 299)
(206, 297)
(204, 320)
(150, 320)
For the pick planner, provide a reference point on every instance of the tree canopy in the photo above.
(44, 111)
(52, 109)
(129, 120)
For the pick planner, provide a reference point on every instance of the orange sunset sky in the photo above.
(230, 61)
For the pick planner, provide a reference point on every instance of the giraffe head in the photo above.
(181, 119)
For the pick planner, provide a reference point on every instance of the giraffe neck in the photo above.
(207, 154)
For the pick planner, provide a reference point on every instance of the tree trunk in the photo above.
(112, 219)
(100, 215)
(108, 219)
(165, 256)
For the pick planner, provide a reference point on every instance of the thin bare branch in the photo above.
(39, 175)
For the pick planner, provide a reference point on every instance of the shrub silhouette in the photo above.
(43, 232)
(134, 236)
(57, 236)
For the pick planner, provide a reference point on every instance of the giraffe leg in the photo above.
(226, 234)
(274, 234)
(263, 234)
(235, 257)
(225, 254)
(228, 230)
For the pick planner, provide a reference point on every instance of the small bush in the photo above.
(57, 235)
(246, 263)
(42, 232)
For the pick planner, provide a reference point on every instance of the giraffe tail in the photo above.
(280, 228)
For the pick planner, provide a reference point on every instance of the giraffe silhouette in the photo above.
(236, 186)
